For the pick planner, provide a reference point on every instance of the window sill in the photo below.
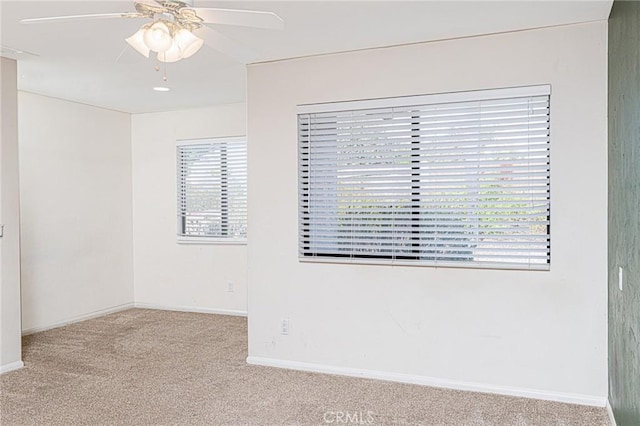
(440, 264)
(212, 241)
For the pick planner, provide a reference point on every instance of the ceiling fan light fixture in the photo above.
(158, 37)
(137, 42)
(171, 55)
(188, 42)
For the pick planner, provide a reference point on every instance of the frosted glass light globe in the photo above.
(187, 42)
(137, 42)
(173, 54)
(158, 37)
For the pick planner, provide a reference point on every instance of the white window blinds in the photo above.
(212, 189)
(450, 180)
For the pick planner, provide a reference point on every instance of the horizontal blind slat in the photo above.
(470, 175)
(212, 189)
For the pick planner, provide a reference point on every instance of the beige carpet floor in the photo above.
(146, 367)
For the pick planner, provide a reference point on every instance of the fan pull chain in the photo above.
(164, 68)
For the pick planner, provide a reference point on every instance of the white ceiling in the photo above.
(77, 60)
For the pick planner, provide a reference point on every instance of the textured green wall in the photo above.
(624, 211)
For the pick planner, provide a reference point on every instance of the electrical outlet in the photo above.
(284, 327)
(620, 276)
(230, 286)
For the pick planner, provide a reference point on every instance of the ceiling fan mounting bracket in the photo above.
(148, 10)
(173, 5)
(178, 10)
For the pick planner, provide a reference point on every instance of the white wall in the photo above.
(75, 171)
(10, 343)
(168, 274)
(521, 332)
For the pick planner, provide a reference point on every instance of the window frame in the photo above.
(205, 240)
(409, 101)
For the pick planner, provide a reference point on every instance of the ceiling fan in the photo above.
(177, 30)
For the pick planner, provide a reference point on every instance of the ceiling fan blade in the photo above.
(245, 18)
(80, 17)
(225, 45)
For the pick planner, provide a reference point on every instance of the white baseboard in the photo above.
(126, 306)
(78, 318)
(612, 418)
(11, 367)
(431, 381)
(196, 309)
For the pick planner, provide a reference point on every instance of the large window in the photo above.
(212, 190)
(458, 179)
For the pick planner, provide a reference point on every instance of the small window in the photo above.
(212, 190)
(460, 179)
